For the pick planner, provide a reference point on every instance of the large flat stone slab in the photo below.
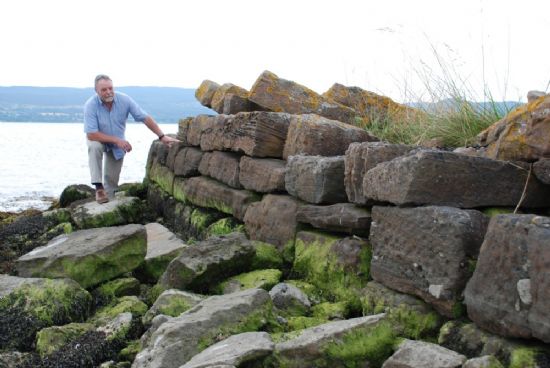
(341, 217)
(414, 354)
(451, 179)
(263, 175)
(425, 251)
(509, 293)
(222, 166)
(89, 257)
(187, 161)
(316, 179)
(118, 211)
(313, 135)
(277, 94)
(162, 247)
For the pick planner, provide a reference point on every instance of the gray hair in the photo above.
(100, 77)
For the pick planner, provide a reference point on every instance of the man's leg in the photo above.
(95, 161)
(112, 173)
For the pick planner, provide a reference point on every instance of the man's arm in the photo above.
(105, 138)
(154, 127)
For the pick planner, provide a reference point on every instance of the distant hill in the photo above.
(65, 104)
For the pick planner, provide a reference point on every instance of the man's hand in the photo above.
(169, 141)
(124, 145)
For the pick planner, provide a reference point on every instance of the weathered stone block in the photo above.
(315, 135)
(119, 211)
(187, 162)
(451, 179)
(541, 168)
(223, 166)
(234, 103)
(413, 354)
(316, 179)
(210, 193)
(213, 136)
(196, 128)
(360, 158)
(183, 127)
(163, 176)
(219, 96)
(426, 251)
(206, 91)
(157, 154)
(509, 293)
(341, 217)
(273, 220)
(173, 151)
(277, 94)
(262, 175)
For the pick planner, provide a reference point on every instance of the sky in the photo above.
(407, 50)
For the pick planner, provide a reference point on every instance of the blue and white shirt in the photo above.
(98, 118)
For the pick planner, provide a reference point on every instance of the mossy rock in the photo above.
(151, 294)
(111, 290)
(74, 193)
(301, 322)
(330, 311)
(267, 256)
(493, 211)
(134, 189)
(124, 304)
(120, 211)
(224, 226)
(130, 351)
(264, 279)
(58, 215)
(51, 339)
(202, 219)
(314, 294)
(171, 303)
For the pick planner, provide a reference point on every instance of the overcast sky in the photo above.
(389, 47)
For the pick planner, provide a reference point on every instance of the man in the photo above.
(105, 116)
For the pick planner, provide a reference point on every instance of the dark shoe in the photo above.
(101, 196)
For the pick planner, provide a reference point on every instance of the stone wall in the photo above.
(288, 163)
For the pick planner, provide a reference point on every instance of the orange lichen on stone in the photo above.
(206, 91)
(221, 92)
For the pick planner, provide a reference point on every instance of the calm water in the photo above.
(38, 160)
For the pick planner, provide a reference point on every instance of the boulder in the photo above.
(360, 158)
(277, 94)
(111, 290)
(206, 91)
(290, 299)
(183, 127)
(341, 217)
(315, 135)
(264, 279)
(204, 264)
(187, 162)
(89, 257)
(118, 211)
(222, 166)
(509, 293)
(272, 220)
(451, 179)
(487, 361)
(219, 97)
(426, 251)
(316, 179)
(309, 347)
(522, 134)
(162, 247)
(263, 175)
(50, 339)
(178, 339)
(13, 359)
(74, 193)
(234, 351)
(171, 302)
(376, 298)
(541, 169)
(414, 354)
(210, 193)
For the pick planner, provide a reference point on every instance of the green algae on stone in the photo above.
(224, 226)
(314, 294)
(52, 338)
(124, 304)
(267, 256)
(202, 218)
(523, 358)
(330, 311)
(297, 323)
(264, 279)
(58, 215)
(130, 351)
(134, 189)
(413, 324)
(111, 290)
(493, 211)
(171, 303)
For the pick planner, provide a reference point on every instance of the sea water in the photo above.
(38, 160)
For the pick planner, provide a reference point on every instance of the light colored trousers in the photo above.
(101, 162)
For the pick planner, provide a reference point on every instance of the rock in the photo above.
(222, 166)
(264, 279)
(13, 359)
(316, 179)
(414, 354)
(370, 106)
(163, 176)
(117, 211)
(125, 305)
(206, 263)
(376, 298)
(89, 257)
(509, 293)
(196, 128)
(219, 97)
(267, 256)
(183, 127)
(264, 175)
(172, 153)
(487, 361)
(339, 267)
(206, 91)
(234, 104)
(187, 162)
(36, 304)
(522, 134)
(342, 217)
(425, 251)
(162, 247)
(52, 338)
(310, 345)
(277, 94)
(450, 179)
(109, 291)
(158, 152)
(315, 135)
(360, 158)
(177, 340)
(213, 134)
(74, 193)
(10, 283)
(235, 350)
(290, 299)
(205, 192)
(273, 220)
(541, 169)
(172, 303)
(534, 95)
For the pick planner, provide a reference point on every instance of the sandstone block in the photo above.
(509, 293)
(172, 154)
(213, 135)
(162, 246)
(425, 251)
(316, 179)
(234, 103)
(360, 158)
(223, 166)
(118, 211)
(183, 127)
(277, 94)
(450, 179)
(196, 128)
(262, 175)
(414, 354)
(541, 169)
(187, 162)
(163, 176)
(341, 217)
(206, 91)
(221, 93)
(315, 135)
